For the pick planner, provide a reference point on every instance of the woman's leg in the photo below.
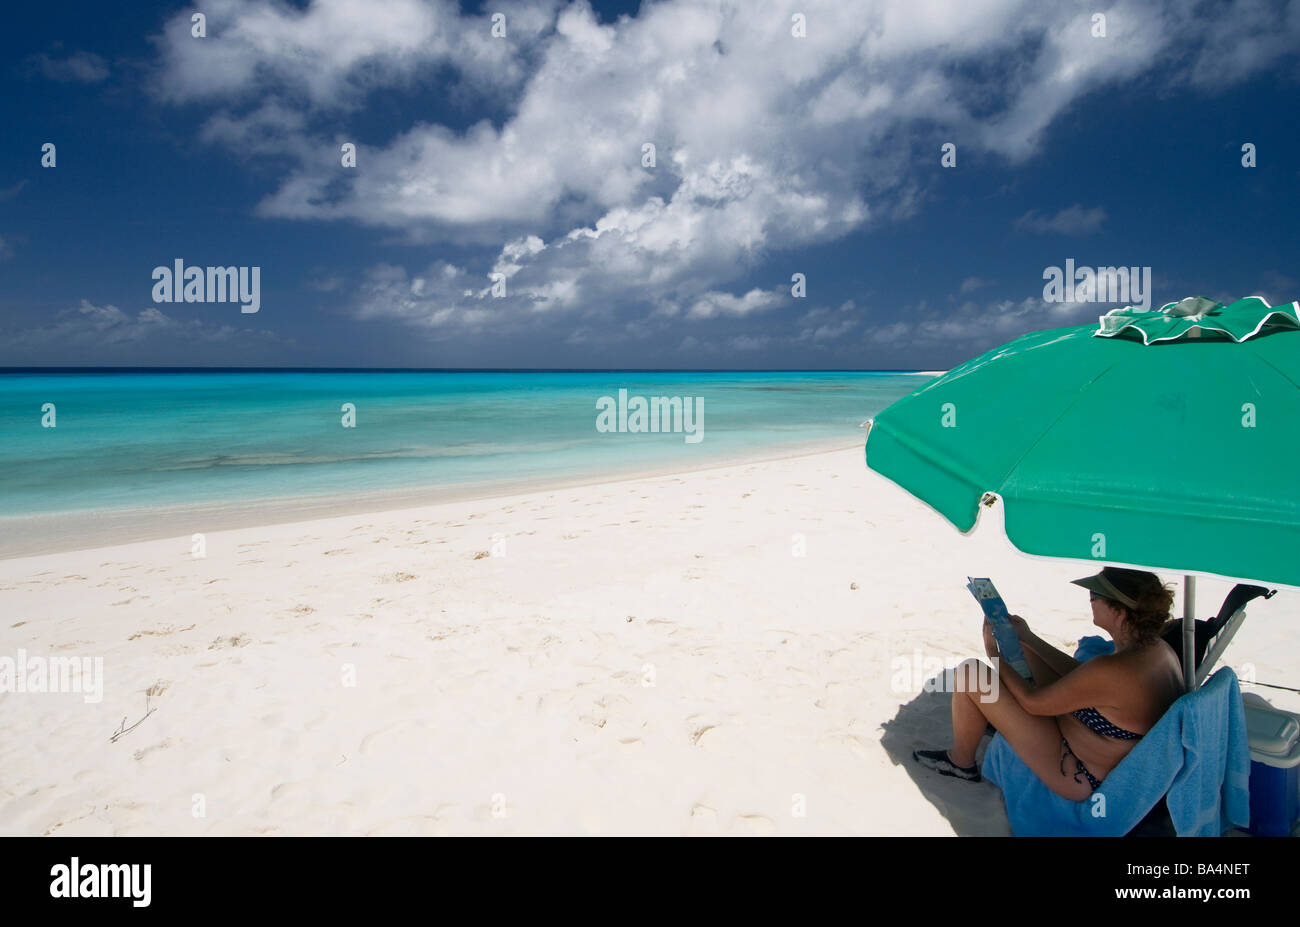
(1035, 738)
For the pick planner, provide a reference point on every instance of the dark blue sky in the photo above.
(775, 155)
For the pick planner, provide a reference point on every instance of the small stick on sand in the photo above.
(123, 729)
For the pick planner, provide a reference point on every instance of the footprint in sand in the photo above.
(141, 754)
(392, 739)
(222, 643)
(160, 632)
(702, 816)
(753, 824)
(698, 738)
(615, 705)
(287, 791)
(415, 825)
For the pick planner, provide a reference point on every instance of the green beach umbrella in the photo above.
(1160, 439)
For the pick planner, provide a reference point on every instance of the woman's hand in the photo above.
(990, 642)
(1021, 626)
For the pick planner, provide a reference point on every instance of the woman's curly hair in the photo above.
(1154, 600)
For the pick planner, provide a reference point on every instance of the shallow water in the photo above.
(137, 439)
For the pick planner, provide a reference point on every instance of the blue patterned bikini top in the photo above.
(1093, 720)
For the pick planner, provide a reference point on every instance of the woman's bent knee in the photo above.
(975, 678)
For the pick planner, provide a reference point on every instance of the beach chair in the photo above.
(1223, 714)
(1222, 626)
(1219, 629)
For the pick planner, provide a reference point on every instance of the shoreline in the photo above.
(27, 536)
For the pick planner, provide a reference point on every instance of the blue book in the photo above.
(1003, 632)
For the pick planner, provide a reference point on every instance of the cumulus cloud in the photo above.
(1074, 220)
(90, 333)
(1252, 35)
(982, 324)
(80, 67)
(748, 342)
(761, 141)
(330, 53)
(715, 303)
(822, 326)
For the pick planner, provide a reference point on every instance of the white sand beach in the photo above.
(714, 652)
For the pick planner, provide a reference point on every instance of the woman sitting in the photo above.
(1074, 722)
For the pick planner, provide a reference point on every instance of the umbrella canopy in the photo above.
(1166, 439)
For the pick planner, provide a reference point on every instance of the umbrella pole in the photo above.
(1189, 633)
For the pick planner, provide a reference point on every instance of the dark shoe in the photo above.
(938, 761)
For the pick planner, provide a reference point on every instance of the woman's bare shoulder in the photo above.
(1162, 665)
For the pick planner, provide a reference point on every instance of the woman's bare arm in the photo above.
(1058, 661)
(1043, 673)
(1039, 653)
(1093, 683)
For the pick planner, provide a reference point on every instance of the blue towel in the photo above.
(1094, 645)
(1196, 757)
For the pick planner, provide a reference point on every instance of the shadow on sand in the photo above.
(974, 809)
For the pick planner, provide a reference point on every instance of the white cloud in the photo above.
(1074, 220)
(823, 326)
(94, 333)
(748, 342)
(715, 303)
(80, 67)
(1252, 35)
(762, 140)
(983, 324)
(333, 51)
(328, 283)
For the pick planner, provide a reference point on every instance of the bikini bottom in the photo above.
(1080, 769)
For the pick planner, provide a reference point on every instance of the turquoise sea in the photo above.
(141, 439)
